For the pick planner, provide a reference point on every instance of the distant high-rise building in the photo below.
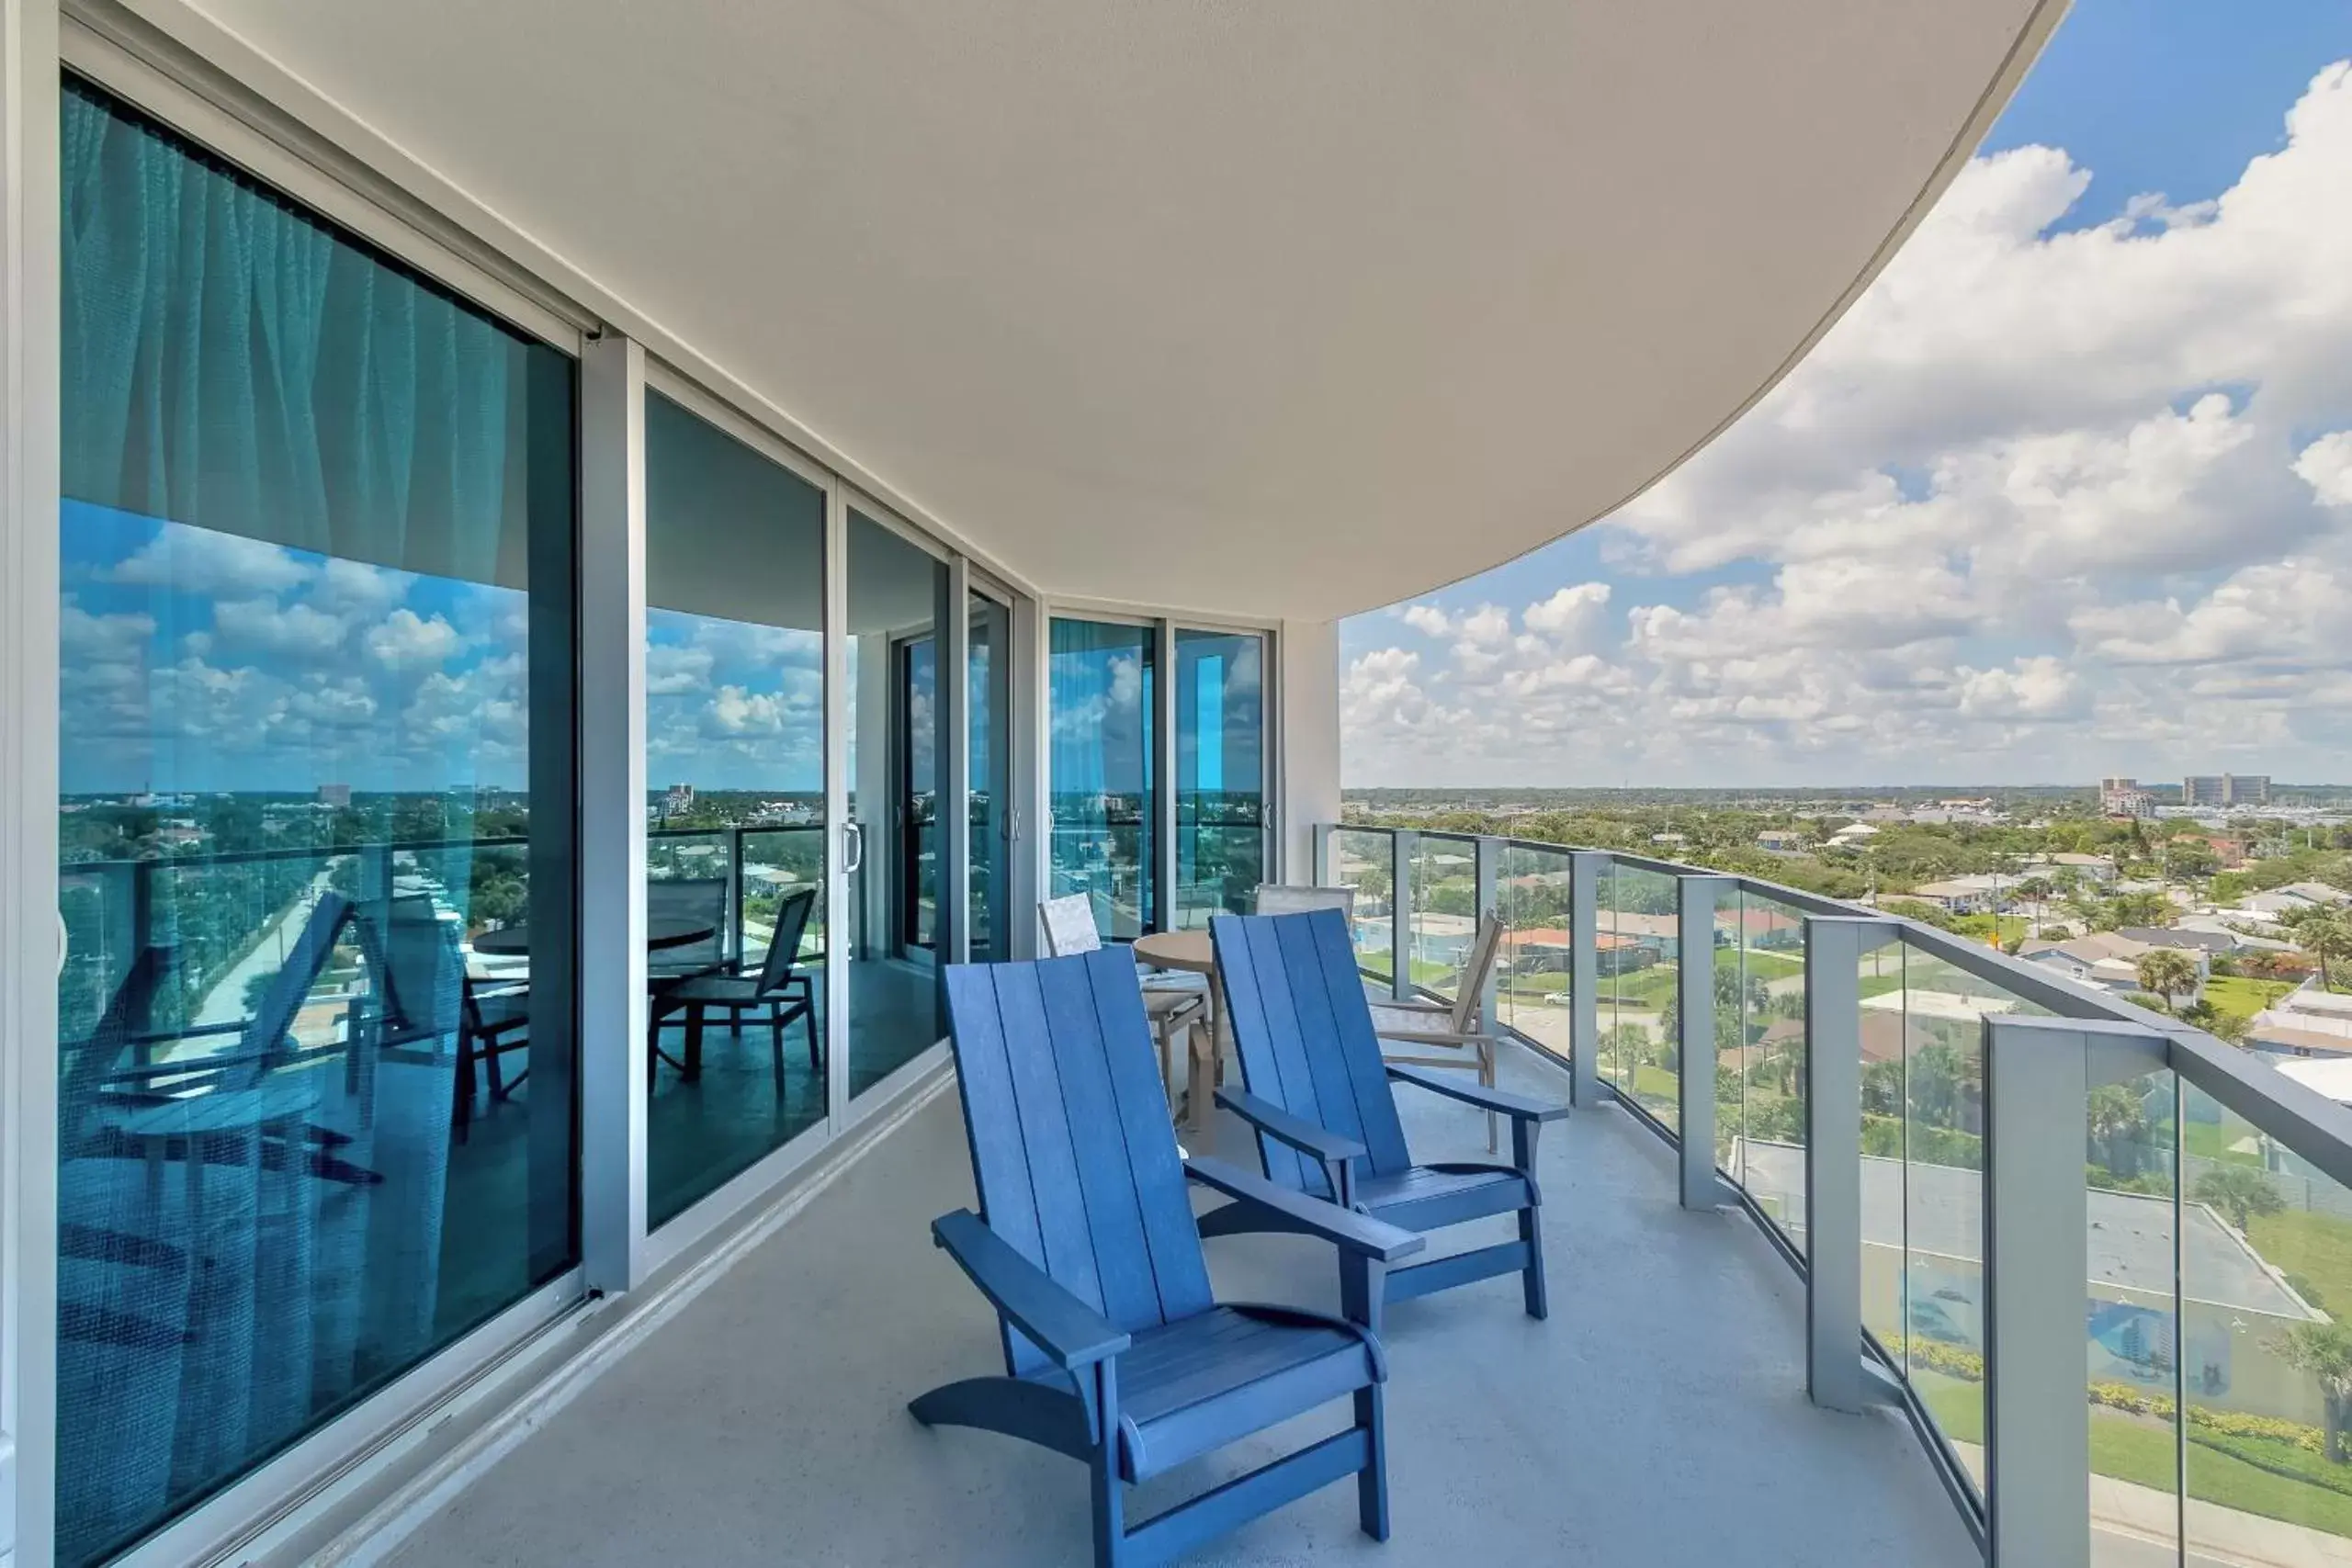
(2225, 789)
(680, 798)
(2124, 797)
(334, 795)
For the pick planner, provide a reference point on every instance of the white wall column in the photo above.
(611, 813)
(29, 955)
(1306, 751)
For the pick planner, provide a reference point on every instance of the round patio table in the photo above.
(661, 931)
(1194, 953)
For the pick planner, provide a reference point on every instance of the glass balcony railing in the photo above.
(1942, 1140)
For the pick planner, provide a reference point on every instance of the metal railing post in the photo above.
(1401, 844)
(1695, 935)
(735, 893)
(1486, 857)
(1834, 946)
(1584, 869)
(2038, 1076)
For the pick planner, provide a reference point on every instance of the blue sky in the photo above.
(2062, 496)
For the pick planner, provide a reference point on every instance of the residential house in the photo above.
(1964, 895)
(2306, 1022)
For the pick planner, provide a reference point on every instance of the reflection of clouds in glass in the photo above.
(407, 641)
(298, 630)
(731, 704)
(198, 659)
(200, 561)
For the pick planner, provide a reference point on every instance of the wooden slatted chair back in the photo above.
(1072, 1151)
(1303, 1028)
(1473, 988)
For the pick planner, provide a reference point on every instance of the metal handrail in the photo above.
(2090, 1035)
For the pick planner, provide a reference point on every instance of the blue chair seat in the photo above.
(1427, 1197)
(1203, 1382)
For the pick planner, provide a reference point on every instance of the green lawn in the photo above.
(2212, 1140)
(1645, 988)
(2141, 1452)
(2314, 1247)
(1763, 966)
(2236, 994)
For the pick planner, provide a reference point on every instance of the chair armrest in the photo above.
(1071, 1333)
(1345, 1228)
(1417, 1004)
(1317, 1142)
(1517, 1107)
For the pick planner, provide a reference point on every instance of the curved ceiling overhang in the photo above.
(1286, 309)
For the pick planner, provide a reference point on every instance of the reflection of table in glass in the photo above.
(1192, 954)
(661, 931)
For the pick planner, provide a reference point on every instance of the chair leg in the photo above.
(1110, 1507)
(1531, 1278)
(776, 1046)
(1371, 1481)
(465, 1084)
(1487, 1080)
(816, 1053)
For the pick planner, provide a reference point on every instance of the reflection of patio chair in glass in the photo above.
(786, 995)
(417, 960)
(166, 1288)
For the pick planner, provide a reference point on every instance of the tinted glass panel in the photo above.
(897, 603)
(735, 842)
(1220, 775)
(989, 719)
(317, 1040)
(1100, 677)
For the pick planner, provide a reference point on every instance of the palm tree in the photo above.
(2324, 1352)
(2240, 1192)
(2167, 972)
(2326, 935)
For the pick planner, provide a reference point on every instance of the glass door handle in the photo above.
(853, 847)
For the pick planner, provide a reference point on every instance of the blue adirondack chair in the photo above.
(1115, 1351)
(1318, 1095)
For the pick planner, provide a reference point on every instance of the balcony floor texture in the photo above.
(1658, 1418)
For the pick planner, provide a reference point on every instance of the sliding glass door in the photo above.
(896, 598)
(1132, 760)
(735, 810)
(316, 1057)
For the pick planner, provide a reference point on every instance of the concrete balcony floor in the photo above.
(1658, 1418)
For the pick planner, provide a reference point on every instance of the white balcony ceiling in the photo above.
(1290, 308)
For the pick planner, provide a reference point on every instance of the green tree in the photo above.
(2118, 1126)
(2327, 937)
(2240, 1192)
(2167, 972)
(2323, 1351)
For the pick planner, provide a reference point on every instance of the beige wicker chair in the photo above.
(1173, 1010)
(1450, 1034)
(1278, 898)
